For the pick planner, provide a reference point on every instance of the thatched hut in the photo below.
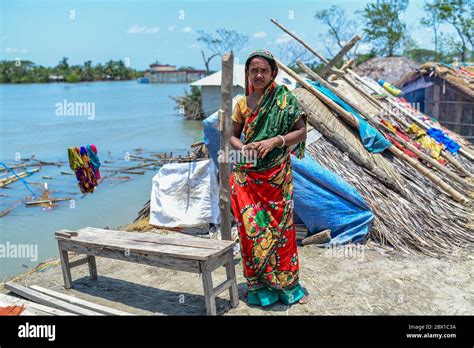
(443, 92)
(389, 69)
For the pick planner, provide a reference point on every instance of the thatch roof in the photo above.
(411, 213)
(389, 69)
(461, 79)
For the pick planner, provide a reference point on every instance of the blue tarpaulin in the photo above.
(371, 138)
(322, 199)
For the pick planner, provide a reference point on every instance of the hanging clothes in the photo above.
(85, 168)
(92, 153)
(426, 142)
(441, 137)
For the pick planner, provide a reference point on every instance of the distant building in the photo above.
(211, 87)
(159, 73)
(56, 78)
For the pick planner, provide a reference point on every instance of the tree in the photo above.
(292, 51)
(383, 27)
(88, 73)
(432, 20)
(63, 65)
(340, 29)
(224, 41)
(460, 14)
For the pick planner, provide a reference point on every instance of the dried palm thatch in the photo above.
(389, 69)
(418, 218)
(374, 111)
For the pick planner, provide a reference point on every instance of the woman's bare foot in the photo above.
(304, 299)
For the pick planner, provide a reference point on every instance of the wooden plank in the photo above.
(32, 307)
(80, 302)
(47, 300)
(92, 267)
(209, 292)
(224, 166)
(159, 239)
(223, 287)
(78, 262)
(66, 270)
(318, 238)
(187, 248)
(163, 261)
(233, 291)
(143, 247)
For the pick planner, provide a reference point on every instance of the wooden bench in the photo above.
(190, 254)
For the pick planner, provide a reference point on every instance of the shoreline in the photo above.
(374, 281)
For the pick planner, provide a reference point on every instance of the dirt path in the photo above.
(347, 281)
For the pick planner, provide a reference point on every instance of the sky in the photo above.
(142, 32)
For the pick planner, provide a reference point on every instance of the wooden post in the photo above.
(347, 47)
(226, 123)
(435, 105)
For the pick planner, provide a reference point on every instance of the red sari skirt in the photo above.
(263, 210)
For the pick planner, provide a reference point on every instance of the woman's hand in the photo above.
(263, 147)
(250, 151)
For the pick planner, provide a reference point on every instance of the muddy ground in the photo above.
(349, 281)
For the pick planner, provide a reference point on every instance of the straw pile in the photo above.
(389, 69)
(417, 218)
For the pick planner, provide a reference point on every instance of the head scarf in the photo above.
(258, 53)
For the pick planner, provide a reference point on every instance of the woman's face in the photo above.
(260, 73)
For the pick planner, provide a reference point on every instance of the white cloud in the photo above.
(283, 38)
(136, 29)
(260, 35)
(187, 30)
(194, 45)
(10, 50)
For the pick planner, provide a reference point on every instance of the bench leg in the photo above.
(92, 267)
(233, 292)
(64, 257)
(209, 292)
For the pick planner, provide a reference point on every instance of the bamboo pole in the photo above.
(446, 155)
(226, 123)
(351, 120)
(412, 148)
(465, 152)
(430, 160)
(7, 181)
(300, 41)
(332, 63)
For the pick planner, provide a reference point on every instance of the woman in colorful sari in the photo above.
(262, 183)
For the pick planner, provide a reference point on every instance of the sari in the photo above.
(261, 202)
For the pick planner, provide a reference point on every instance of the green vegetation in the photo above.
(24, 71)
(190, 105)
(384, 32)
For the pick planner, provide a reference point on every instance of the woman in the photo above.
(262, 183)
